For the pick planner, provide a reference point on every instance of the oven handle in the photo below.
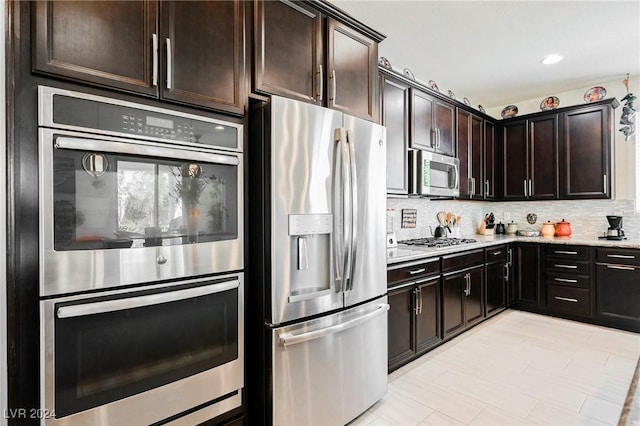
(139, 301)
(147, 150)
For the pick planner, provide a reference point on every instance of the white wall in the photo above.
(3, 236)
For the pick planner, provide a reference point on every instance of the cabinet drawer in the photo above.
(620, 256)
(412, 271)
(567, 252)
(496, 254)
(568, 266)
(461, 261)
(559, 278)
(570, 300)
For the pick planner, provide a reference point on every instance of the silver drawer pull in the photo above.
(417, 271)
(621, 256)
(565, 280)
(565, 252)
(566, 266)
(496, 253)
(566, 299)
(622, 268)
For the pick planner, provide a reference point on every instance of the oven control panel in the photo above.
(157, 127)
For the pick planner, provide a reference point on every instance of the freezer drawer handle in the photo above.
(288, 339)
(139, 301)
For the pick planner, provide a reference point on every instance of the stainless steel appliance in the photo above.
(133, 194)
(141, 258)
(433, 175)
(615, 231)
(318, 262)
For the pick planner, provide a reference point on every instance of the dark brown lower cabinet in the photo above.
(462, 299)
(414, 320)
(618, 294)
(527, 275)
(496, 287)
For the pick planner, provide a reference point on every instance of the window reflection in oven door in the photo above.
(144, 355)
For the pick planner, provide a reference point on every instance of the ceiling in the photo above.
(490, 51)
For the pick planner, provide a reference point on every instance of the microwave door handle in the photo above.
(353, 249)
(457, 176)
(87, 144)
(84, 309)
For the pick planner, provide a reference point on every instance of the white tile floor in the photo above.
(517, 368)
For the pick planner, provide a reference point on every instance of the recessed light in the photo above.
(552, 59)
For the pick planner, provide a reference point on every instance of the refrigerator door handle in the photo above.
(288, 339)
(340, 209)
(353, 241)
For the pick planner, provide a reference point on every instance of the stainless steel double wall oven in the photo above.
(141, 262)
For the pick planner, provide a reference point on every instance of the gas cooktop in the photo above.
(437, 242)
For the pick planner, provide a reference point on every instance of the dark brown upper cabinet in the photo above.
(302, 52)
(395, 117)
(489, 153)
(188, 52)
(475, 146)
(530, 159)
(586, 151)
(432, 123)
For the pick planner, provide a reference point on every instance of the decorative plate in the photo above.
(384, 62)
(549, 103)
(452, 95)
(433, 85)
(595, 94)
(509, 111)
(407, 73)
(466, 101)
(481, 109)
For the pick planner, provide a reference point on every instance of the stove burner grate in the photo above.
(437, 242)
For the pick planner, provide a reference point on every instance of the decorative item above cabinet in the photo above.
(315, 53)
(132, 53)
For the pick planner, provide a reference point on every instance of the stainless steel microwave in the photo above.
(433, 175)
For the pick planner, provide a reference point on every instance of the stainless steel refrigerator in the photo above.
(317, 258)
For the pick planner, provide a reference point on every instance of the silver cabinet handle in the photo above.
(320, 83)
(433, 135)
(71, 311)
(621, 256)
(154, 71)
(437, 138)
(416, 307)
(506, 272)
(565, 252)
(473, 186)
(566, 266)
(622, 268)
(288, 339)
(566, 299)
(418, 295)
(510, 256)
(169, 61)
(525, 187)
(530, 189)
(565, 280)
(497, 253)
(604, 179)
(417, 271)
(486, 188)
(334, 87)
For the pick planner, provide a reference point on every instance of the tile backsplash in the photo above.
(587, 217)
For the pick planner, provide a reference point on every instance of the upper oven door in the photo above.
(115, 212)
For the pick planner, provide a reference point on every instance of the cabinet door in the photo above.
(104, 43)
(428, 333)
(444, 123)
(422, 128)
(395, 116)
(514, 160)
(453, 303)
(489, 153)
(203, 43)
(476, 158)
(288, 50)
(543, 157)
(474, 299)
(463, 123)
(353, 66)
(586, 153)
(527, 274)
(496, 287)
(618, 293)
(401, 325)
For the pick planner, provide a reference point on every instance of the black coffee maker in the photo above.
(615, 231)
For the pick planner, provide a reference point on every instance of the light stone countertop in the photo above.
(406, 253)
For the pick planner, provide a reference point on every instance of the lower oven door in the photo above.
(142, 355)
